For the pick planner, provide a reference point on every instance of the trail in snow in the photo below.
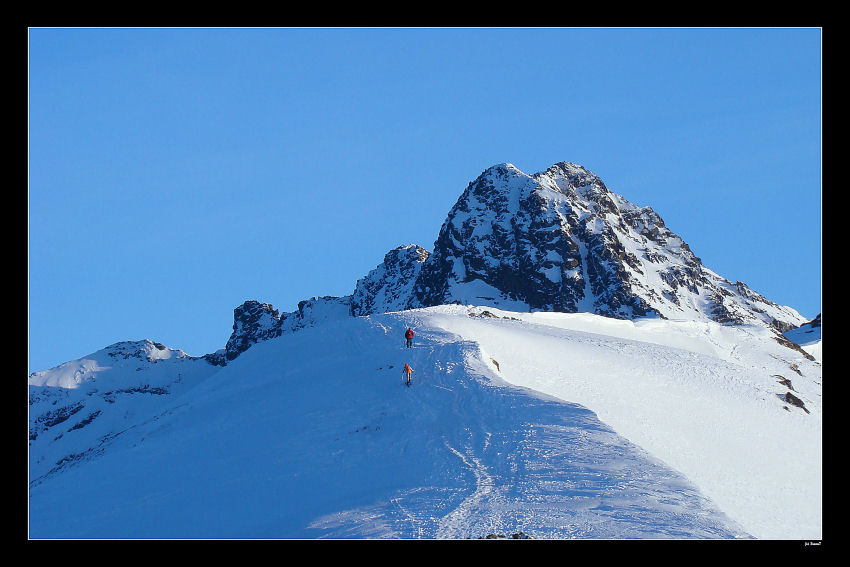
(541, 466)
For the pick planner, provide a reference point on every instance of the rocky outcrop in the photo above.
(252, 322)
(389, 286)
(795, 401)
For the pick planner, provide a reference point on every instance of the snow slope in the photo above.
(560, 240)
(704, 398)
(557, 425)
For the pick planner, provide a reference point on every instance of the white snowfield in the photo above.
(701, 397)
(555, 425)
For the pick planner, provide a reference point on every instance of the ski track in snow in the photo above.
(453, 524)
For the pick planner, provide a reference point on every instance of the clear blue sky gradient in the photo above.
(175, 173)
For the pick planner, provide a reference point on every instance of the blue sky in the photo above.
(175, 173)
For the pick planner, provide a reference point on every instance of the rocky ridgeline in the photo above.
(389, 287)
(558, 240)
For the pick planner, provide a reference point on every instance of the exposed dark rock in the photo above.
(53, 417)
(517, 535)
(388, 286)
(793, 346)
(785, 382)
(252, 322)
(86, 421)
(143, 389)
(218, 358)
(561, 241)
(57, 416)
(795, 401)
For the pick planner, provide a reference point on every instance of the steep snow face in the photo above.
(557, 425)
(559, 240)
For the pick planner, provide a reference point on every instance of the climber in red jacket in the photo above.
(408, 334)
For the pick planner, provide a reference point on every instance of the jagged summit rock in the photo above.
(508, 243)
(560, 240)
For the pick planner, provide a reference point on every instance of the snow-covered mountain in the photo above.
(77, 407)
(557, 240)
(577, 373)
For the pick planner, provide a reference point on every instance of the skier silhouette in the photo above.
(407, 370)
(408, 334)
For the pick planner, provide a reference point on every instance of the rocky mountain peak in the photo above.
(556, 240)
(575, 175)
(560, 240)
